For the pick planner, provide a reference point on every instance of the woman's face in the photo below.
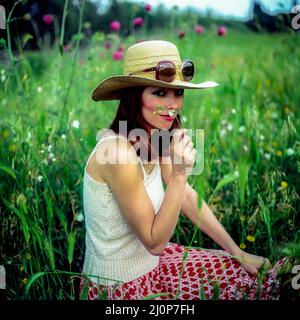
(152, 97)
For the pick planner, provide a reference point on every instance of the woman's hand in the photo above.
(182, 152)
(252, 263)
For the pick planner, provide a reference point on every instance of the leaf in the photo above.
(71, 245)
(228, 178)
(8, 171)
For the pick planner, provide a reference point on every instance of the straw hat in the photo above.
(138, 57)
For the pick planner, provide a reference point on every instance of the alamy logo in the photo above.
(296, 19)
(2, 17)
(2, 278)
(296, 279)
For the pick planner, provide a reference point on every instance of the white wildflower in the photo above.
(290, 151)
(242, 129)
(79, 217)
(223, 132)
(184, 118)
(75, 124)
(224, 122)
(49, 148)
(261, 137)
(53, 159)
(236, 173)
(39, 178)
(39, 89)
(51, 155)
(267, 156)
(245, 148)
(233, 111)
(63, 136)
(42, 151)
(3, 77)
(229, 127)
(45, 162)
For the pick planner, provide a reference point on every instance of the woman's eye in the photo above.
(179, 92)
(159, 93)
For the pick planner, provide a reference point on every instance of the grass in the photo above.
(48, 127)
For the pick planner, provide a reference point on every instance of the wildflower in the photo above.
(283, 184)
(261, 137)
(184, 118)
(45, 162)
(48, 19)
(279, 153)
(27, 16)
(28, 256)
(242, 129)
(213, 149)
(233, 111)
(53, 159)
(223, 132)
(51, 155)
(39, 89)
(68, 47)
(243, 218)
(148, 7)
(22, 268)
(222, 31)
(87, 25)
(39, 178)
(3, 77)
(229, 127)
(250, 238)
(115, 25)
(42, 151)
(242, 246)
(236, 174)
(5, 134)
(49, 148)
(287, 109)
(138, 21)
(12, 148)
(107, 45)
(63, 136)
(79, 217)
(290, 151)
(224, 122)
(75, 124)
(181, 34)
(199, 29)
(117, 55)
(245, 148)
(267, 156)
(121, 48)
(24, 281)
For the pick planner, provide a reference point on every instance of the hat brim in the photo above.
(109, 89)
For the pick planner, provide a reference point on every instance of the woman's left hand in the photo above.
(252, 263)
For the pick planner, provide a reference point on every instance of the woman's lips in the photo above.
(168, 118)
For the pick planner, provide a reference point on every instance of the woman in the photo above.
(129, 216)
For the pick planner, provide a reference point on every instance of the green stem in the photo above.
(63, 23)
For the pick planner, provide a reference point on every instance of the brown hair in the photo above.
(130, 110)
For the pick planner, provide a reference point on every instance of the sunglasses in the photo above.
(166, 70)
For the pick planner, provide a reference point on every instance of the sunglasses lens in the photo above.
(188, 70)
(166, 71)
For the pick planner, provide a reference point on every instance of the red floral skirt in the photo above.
(191, 274)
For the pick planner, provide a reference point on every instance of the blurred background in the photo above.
(54, 53)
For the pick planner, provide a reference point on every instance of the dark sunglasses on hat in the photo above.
(166, 70)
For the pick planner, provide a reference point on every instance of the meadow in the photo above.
(48, 127)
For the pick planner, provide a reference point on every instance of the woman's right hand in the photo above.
(182, 152)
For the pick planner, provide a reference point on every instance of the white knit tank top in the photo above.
(113, 251)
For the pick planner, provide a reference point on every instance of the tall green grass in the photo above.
(48, 127)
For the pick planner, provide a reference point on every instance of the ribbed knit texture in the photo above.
(113, 251)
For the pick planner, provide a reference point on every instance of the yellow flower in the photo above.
(250, 238)
(213, 149)
(12, 148)
(243, 218)
(242, 246)
(24, 281)
(27, 256)
(22, 268)
(287, 109)
(279, 153)
(283, 184)
(5, 134)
